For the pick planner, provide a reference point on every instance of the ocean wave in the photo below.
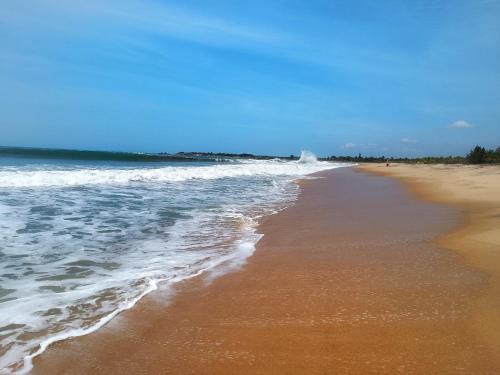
(115, 176)
(75, 258)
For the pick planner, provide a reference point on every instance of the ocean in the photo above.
(83, 240)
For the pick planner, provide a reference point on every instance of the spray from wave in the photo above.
(307, 157)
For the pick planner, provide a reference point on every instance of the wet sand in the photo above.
(475, 192)
(348, 280)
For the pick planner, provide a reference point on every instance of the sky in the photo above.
(394, 78)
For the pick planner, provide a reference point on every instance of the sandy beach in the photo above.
(193, 187)
(474, 191)
(361, 275)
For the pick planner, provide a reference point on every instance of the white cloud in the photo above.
(350, 145)
(460, 124)
(408, 140)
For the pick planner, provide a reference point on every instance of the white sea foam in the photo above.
(78, 245)
(96, 176)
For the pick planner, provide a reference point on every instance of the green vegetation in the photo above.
(478, 155)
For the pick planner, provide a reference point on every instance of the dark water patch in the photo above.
(10, 276)
(174, 213)
(47, 218)
(107, 204)
(52, 312)
(2, 300)
(46, 210)
(53, 257)
(6, 292)
(116, 220)
(12, 202)
(168, 217)
(109, 231)
(65, 202)
(35, 227)
(52, 288)
(76, 189)
(121, 224)
(18, 256)
(11, 326)
(27, 265)
(72, 228)
(68, 276)
(149, 230)
(61, 233)
(73, 270)
(90, 263)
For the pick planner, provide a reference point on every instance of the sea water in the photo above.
(81, 241)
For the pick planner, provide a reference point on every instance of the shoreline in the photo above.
(331, 324)
(175, 230)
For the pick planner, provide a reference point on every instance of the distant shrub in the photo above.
(477, 155)
(492, 156)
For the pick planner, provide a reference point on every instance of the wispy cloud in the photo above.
(349, 145)
(130, 23)
(131, 16)
(408, 140)
(460, 124)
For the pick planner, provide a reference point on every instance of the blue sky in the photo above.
(335, 77)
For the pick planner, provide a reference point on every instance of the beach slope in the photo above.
(475, 192)
(348, 280)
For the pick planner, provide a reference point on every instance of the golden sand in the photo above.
(475, 190)
(348, 280)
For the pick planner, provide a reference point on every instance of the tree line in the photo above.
(478, 155)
